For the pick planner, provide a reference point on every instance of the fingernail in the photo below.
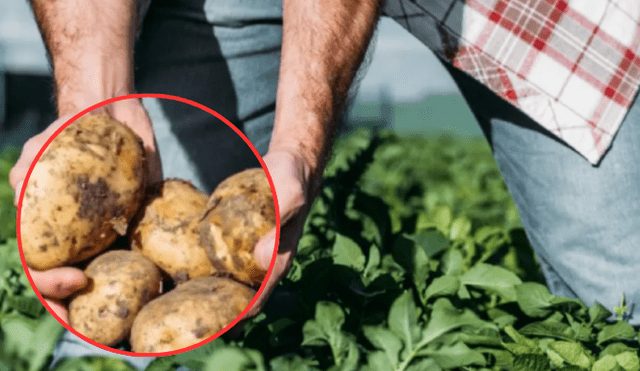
(16, 198)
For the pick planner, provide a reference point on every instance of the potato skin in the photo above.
(168, 230)
(120, 283)
(190, 313)
(82, 193)
(240, 211)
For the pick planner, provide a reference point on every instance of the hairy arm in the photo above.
(324, 43)
(90, 44)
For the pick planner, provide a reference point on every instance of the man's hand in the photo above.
(291, 179)
(323, 44)
(57, 284)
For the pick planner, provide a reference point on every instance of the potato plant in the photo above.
(412, 258)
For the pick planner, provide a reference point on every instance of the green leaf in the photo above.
(234, 359)
(442, 219)
(629, 361)
(413, 259)
(521, 344)
(430, 241)
(328, 322)
(485, 232)
(615, 349)
(534, 299)
(313, 334)
(378, 360)
(424, 364)
(492, 278)
(501, 318)
(455, 355)
(570, 352)
(403, 320)
(460, 228)
(161, 364)
(531, 362)
(550, 327)
(618, 331)
(372, 270)
(598, 313)
(606, 363)
(442, 286)
(44, 341)
(194, 359)
(292, 362)
(385, 340)
(452, 262)
(346, 252)
(326, 329)
(445, 317)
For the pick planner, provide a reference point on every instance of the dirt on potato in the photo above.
(168, 230)
(190, 313)
(239, 212)
(121, 282)
(82, 193)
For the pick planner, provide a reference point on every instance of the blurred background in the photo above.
(405, 87)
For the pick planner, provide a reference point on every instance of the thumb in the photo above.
(264, 249)
(16, 198)
(59, 283)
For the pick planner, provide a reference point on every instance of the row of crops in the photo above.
(413, 258)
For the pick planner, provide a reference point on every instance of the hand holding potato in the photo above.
(292, 183)
(58, 284)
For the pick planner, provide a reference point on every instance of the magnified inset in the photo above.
(169, 267)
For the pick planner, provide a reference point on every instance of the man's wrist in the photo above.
(95, 80)
(310, 163)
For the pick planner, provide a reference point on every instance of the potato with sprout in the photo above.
(82, 193)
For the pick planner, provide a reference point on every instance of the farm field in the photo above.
(412, 258)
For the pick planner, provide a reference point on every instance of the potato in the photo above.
(82, 193)
(168, 230)
(239, 212)
(190, 313)
(120, 283)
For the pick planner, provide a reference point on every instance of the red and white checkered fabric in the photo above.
(572, 66)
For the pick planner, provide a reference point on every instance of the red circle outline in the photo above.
(237, 131)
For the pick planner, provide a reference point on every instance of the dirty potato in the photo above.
(239, 212)
(82, 193)
(167, 231)
(120, 283)
(190, 313)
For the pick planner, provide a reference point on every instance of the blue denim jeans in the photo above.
(581, 220)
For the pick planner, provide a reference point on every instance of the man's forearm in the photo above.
(91, 48)
(324, 43)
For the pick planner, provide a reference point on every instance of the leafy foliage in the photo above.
(412, 258)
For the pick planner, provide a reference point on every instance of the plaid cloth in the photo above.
(572, 66)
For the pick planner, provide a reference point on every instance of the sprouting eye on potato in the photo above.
(189, 269)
